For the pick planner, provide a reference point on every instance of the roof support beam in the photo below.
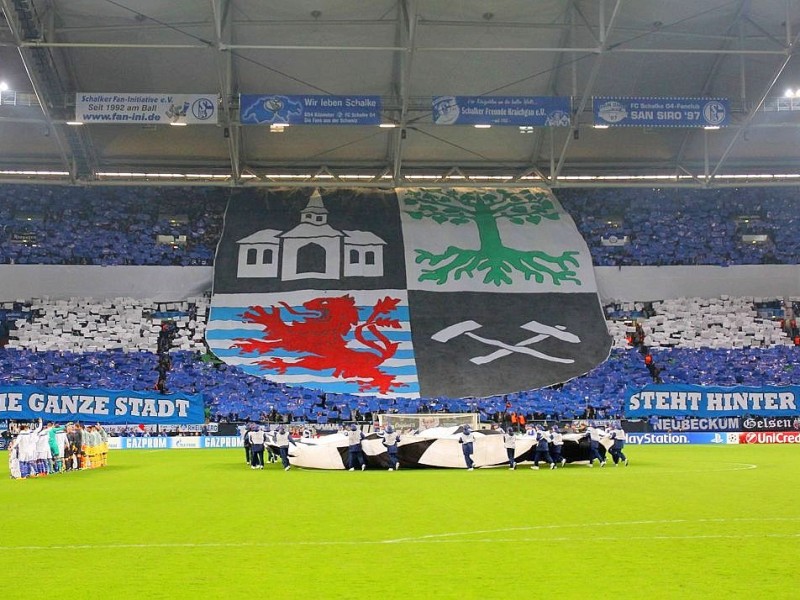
(567, 34)
(222, 33)
(605, 29)
(711, 75)
(362, 23)
(74, 147)
(754, 110)
(407, 31)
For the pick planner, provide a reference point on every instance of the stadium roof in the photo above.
(406, 52)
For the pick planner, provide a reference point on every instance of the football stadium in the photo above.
(399, 298)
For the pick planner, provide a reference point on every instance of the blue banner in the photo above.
(28, 402)
(661, 112)
(709, 401)
(534, 111)
(646, 439)
(274, 109)
(14, 315)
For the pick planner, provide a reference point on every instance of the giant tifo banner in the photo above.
(457, 293)
(709, 401)
(28, 402)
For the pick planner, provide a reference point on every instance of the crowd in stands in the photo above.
(229, 394)
(723, 322)
(622, 226)
(54, 225)
(84, 325)
(76, 342)
(679, 226)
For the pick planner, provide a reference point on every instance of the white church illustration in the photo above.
(311, 250)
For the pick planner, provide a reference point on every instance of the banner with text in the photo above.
(28, 402)
(134, 429)
(769, 437)
(661, 112)
(647, 439)
(175, 442)
(709, 401)
(533, 111)
(146, 109)
(274, 109)
(770, 424)
(698, 424)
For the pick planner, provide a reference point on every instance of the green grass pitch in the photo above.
(680, 522)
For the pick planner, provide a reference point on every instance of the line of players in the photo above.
(255, 440)
(548, 446)
(48, 449)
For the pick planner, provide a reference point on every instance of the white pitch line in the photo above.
(440, 538)
(234, 545)
(601, 524)
(740, 467)
(615, 539)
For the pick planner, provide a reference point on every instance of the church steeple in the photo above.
(315, 211)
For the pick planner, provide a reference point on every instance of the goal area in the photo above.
(420, 421)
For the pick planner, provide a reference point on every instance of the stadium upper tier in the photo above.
(674, 226)
(110, 225)
(724, 341)
(181, 226)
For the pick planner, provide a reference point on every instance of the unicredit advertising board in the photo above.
(769, 437)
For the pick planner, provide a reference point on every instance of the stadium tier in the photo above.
(112, 345)
(686, 226)
(116, 343)
(181, 226)
(54, 225)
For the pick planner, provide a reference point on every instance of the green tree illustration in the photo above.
(497, 261)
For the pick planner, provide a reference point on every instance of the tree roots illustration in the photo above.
(498, 266)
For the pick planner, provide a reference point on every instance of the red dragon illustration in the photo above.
(321, 337)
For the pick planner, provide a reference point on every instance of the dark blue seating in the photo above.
(707, 223)
(109, 225)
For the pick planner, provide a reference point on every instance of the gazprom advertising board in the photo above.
(661, 112)
(174, 442)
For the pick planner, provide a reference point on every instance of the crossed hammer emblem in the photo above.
(542, 332)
